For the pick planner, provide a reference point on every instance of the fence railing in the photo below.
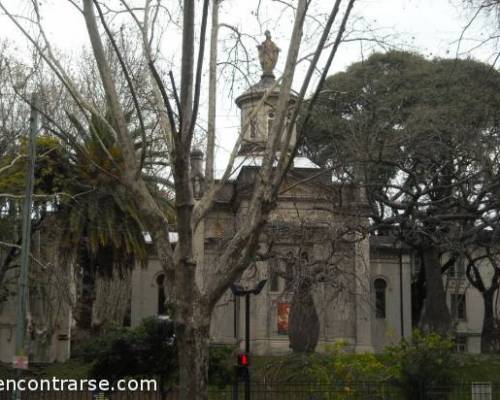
(297, 391)
(363, 391)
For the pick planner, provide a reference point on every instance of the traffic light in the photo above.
(241, 368)
(243, 360)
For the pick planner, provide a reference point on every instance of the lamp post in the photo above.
(21, 356)
(242, 367)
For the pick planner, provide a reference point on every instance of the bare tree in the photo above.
(323, 261)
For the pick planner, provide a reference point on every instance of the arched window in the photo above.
(274, 278)
(253, 128)
(380, 286)
(162, 298)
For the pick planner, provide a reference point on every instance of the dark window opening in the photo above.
(274, 277)
(274, 284)
(461, 344)
(458, 306)
(380, 286)
(127, 319)
(162, 298)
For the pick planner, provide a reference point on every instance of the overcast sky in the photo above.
(431, 27)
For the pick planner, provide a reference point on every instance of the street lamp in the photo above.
(242, 370)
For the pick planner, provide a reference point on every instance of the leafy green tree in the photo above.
(416, 133)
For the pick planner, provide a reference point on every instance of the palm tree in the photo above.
(99, 225)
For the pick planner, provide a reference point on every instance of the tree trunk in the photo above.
(417, 297)
(304, 322)
(112, 299)
(193, 340)
(85, 301)
(489, 338)
(435, 314)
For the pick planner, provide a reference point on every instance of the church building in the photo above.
(315, 244)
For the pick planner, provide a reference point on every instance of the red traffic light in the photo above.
(243, 360)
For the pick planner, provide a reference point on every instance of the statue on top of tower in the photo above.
(268, 56)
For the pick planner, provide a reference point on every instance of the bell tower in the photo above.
(257, 120)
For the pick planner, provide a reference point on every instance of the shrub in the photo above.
(94, 347)
(148, 350)
(221, 362)
(351, 375)
(426, 364)
(339, 365)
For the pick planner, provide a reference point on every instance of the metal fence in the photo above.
(362, 391)
(287, 391)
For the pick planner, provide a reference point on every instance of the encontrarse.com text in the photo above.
(77, 385)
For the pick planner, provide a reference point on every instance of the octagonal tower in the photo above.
(257, 120)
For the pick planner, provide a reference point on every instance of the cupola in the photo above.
(256, 122)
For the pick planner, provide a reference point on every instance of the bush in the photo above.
(340, 366)
(148, 350)
(426, 364)
(421, 367)
(221, 363)
(351, 375)
(92, 348)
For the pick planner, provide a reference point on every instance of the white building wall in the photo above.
(456, 282)
(397, 274)
(471, 326)
(145, 292)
